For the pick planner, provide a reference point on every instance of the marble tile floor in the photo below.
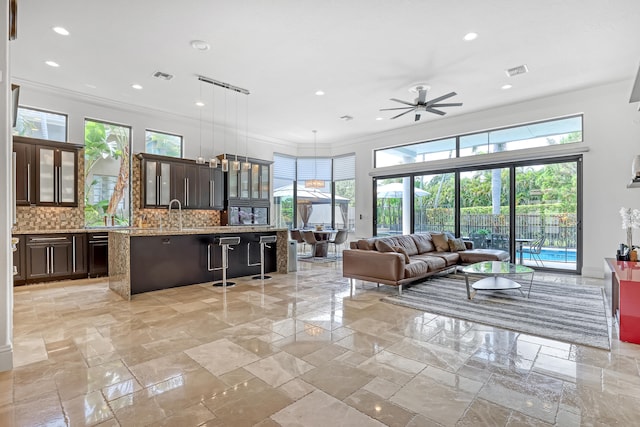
(296, 350)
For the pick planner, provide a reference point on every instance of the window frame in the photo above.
(42, 110)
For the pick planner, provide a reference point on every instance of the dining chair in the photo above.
(311, 240)
(534, 250)
(295, 235)
(339, 239)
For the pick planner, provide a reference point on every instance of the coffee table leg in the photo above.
(466, 279)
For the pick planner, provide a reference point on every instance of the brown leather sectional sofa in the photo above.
(400, 260)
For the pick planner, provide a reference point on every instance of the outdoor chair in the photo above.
(499, 241)
(479, 240)
(534, 250)
(339, 239)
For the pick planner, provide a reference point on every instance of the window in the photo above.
(41, 124)
(164, 144)
(344, 179)
(565, 130)
(107, 174)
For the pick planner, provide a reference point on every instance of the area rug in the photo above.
(563, 312)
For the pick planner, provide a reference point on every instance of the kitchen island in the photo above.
(147, 259)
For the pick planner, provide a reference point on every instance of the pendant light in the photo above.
(213, 160)
(246, 165)
(235, 165)
(200, 104)
(225, 161)
(315, 182)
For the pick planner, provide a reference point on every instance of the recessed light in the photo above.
(379, 118)
(53, 64)
(61, 30)
(200, 45)
(90, 86)
(136, 86)
(505, 87)
(200, 103)
(319, 93)
(470, 36)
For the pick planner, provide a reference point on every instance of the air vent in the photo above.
(522, 69)
(163, 76)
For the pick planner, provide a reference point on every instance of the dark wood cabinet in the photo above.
(24, 173)
(184, 185)
(247, 195)
(98, 251)
(46, 172)
(195, 186)
(49, 257)
(211, 188)
(160, 262)
(19, 262)
(79, 264)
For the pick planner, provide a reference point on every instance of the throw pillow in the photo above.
(456, 245)
(383, 246)
(401, 250)
(441, 241)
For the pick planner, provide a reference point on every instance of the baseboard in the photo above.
(597, 273)
(6, 358)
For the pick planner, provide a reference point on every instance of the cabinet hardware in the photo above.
(52, 261)
(73, 259)
(209, 257)
(29, 182)
(47, 239)
(211, 194)
(47, 256)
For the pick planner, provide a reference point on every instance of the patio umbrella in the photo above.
(395, 190)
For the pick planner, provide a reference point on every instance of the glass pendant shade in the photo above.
(214, 162)
(314, 183)
(225, 165)
(246, 165)
(235, 165)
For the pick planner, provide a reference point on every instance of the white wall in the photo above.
(611, 131)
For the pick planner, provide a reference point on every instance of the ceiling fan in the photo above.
(421, 105)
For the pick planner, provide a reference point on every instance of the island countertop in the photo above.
(144, 231)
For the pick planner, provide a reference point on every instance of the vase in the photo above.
(629, 239)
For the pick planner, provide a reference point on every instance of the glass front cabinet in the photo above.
(248, 194)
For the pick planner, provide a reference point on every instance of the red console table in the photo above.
(624, 296)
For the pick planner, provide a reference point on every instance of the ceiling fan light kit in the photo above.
(420, 104)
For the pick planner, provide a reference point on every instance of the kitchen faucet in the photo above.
(179, 211)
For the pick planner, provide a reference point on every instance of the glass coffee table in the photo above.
(497, 276)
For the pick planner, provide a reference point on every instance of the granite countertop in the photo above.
(136, 231)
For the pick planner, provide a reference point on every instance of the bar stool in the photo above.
(225, 243)
(264, 242)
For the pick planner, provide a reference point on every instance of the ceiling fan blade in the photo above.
(397, 108)
(402, 114)
(452, 104)
(434, 111)
(403, 102)
(440, 98)
(422, 96)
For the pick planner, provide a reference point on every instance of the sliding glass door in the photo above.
(529, 209)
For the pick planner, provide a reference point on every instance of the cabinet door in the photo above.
(25, 170)
(79, 254)
(61, 263)
(46, 176)
(164, 180)
(67, 177)
(184, 180)
(150, 183)
(234, 191)
(37, 261)
(264, 182)
(19, 262)
(244, 184)
(255, 181)
(218, 189)
(98, 255)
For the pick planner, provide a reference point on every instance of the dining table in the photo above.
(322, 235)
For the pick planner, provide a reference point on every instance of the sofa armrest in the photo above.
(387, 266)
(468, 244)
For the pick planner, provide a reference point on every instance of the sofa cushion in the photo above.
(441, 242)
(423, 242)
(402, 251)
(451, 258)
(384, 245)
(416, 269)
(479, 255)
(456, 245)
(367, 244)
(406, 242)
(435, 263)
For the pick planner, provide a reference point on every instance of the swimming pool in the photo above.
(555, 255)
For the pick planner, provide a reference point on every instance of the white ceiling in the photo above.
(359, 52)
